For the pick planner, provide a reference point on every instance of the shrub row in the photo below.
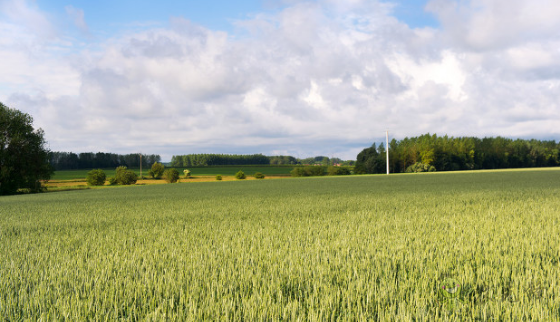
(124, 176)
(319, 171)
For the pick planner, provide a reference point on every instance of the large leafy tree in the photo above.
(23, 155)
(157, 170)
(371, 160)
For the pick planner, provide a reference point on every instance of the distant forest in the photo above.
(195, 160)
(432, 153)
(90, 160)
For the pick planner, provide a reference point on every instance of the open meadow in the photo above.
(413, 247)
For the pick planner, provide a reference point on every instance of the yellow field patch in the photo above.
(80, 184)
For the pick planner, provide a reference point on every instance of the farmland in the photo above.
(327, 248)
(196, 171)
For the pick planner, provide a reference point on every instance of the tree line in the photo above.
(443, 153)
(195, 160)
(90, 160)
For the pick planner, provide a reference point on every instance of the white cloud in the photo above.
(320, 77)
(78, 18)
(497, 24)
(28, 17)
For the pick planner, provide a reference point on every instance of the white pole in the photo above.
(387, 150)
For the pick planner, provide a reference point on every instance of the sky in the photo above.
(279, 77)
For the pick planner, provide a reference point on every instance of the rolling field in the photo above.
(419, 247)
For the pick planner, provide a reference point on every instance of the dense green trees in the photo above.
(371, 160)
(197, 160)
(282, 159)
(88, 160)
(307, 171)
(193, 160)
(338, 171)
(420, 167)
(23, 155)
(446, 153)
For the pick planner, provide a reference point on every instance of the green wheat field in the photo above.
(413, 247)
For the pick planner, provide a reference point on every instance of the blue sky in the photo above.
(109, 17)
(112, 16)
(304, 78)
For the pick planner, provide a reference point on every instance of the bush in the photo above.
(297, 172)
(307, 171)
(240, 175)
(96, 177)
(187, 173)
(219, 177)
(171, 175)
(112, 181)
(125, 176)
(420, 167)
(258, 175)
(157, 170)
(338, 171)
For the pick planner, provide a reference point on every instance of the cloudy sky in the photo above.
(302, 78)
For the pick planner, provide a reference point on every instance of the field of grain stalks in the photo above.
(419, 247)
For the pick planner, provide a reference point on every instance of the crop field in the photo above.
(413, 247)
(195, 171)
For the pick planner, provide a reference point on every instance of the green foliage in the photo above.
(282, 159)
(157, 170)
(171, 175)
(89, 160)
(187, 173)
(191, 160)
(203, 171)
(420, 167)
(240, 175)
(308, 171)
(123, 176)
(258, 175)
(112, 181)
(359, 248)
(338, 171)
(460, 153)
(23, 153)
(371, 160)
(219, 177)
(297, 172)
(96, 177)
